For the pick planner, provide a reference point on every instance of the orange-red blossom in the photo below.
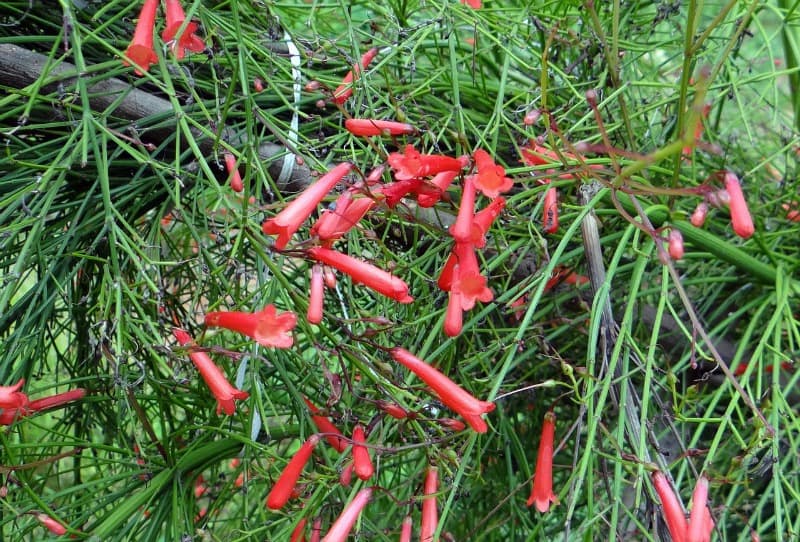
(282, 490)
(450, 393)
(213, 376)
(288, 221)
(363, 272)
(141, 51)
(542, 491)
(268, 327)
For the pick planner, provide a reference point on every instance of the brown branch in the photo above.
(21, 68)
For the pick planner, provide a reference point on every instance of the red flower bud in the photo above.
(344, 523)
(740, 215)
(363, 463)
(542, 491)
(430, 515)
(282, 490)
(371, 127)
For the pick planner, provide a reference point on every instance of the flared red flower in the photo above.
(363, 272)
(288, 221)
(430, 515)
(141, 50)
(468, 283)
(267, 327)
(542, 491)
(283, 488)
(491, 179)
(450, 393)
(11, 397)
(411, 164)
(341, 528)
(213, 376)
(188, 39)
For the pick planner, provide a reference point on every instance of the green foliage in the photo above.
(114, 231)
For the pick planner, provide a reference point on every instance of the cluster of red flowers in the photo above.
(141, 52)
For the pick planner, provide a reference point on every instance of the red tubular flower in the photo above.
(341, 218)
(51, 524)
(491, 179)
(406, 529)
(326, 426)
(267, 327)
(673, 512)
(394, 192)
(188, 39)
(454, 316)
(392, 409)
(371, 127)
(675, 244)
(550, 210)
(700, 523)
(485, 217)
(740, 215)
(298, 534)
(365, 273)
(463, 230)
(235, 179)
(141, 51)
(467, 279)
(316, 529)
(213, 377)
(8, 415)
(288, 221)
(542, 491)
(11, 397)
(282, 490)
(363, 463)
(430, 516)
(314, 314)
(411, 164)
(699, 215)
(474, 4)
(448, 391)
(439, 183)
(340, 529)
(345, 90)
